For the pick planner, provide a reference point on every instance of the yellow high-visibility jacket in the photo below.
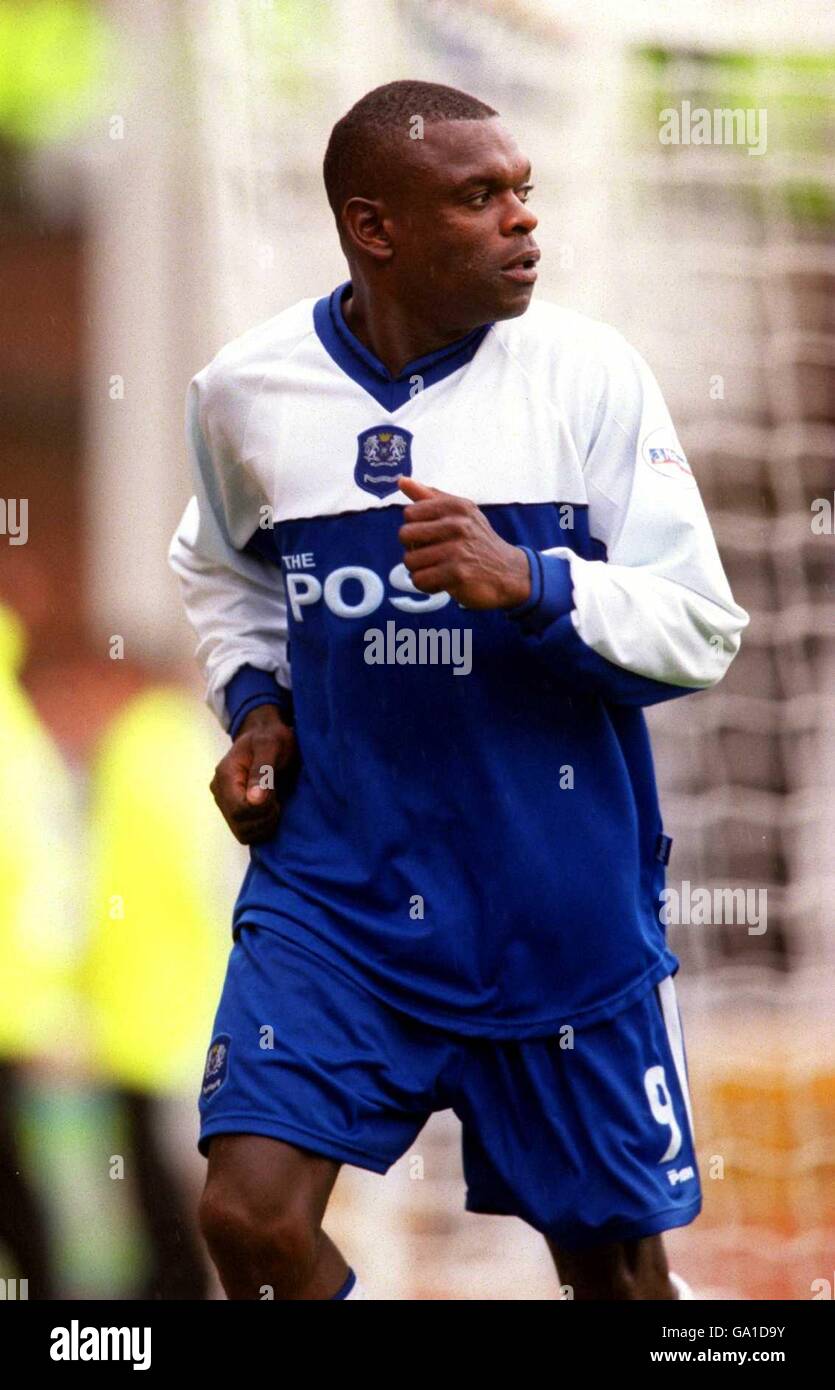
(164, 872)
(39, 829)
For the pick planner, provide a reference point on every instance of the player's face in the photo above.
(460, 219)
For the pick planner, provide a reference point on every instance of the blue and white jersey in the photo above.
(475, 834)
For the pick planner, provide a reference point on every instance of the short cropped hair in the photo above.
(366, 136)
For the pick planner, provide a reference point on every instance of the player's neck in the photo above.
(391, 332)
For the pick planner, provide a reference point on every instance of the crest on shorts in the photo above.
(384, 454)
(217, 1064)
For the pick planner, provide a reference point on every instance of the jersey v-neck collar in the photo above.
(355, 359)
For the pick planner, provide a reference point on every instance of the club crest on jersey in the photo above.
(217, 1064)
(384, 454)
(663, 454)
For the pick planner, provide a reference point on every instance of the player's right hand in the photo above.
(260, 762)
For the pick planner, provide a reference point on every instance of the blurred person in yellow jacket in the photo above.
(38, 940)
(162, 881)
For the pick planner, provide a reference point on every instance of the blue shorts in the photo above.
(586, 1137)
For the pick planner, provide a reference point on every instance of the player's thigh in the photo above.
(306, 1070)
(254, 1182)
(591, 1144)
(619, 1270)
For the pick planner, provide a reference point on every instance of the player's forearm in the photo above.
(629, 635)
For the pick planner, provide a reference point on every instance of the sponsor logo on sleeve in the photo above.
(662, 451)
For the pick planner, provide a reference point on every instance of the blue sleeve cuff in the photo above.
(248, 689)
(551, 593)
(535, 568)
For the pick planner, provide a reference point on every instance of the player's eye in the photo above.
(480, 200)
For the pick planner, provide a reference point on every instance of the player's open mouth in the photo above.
(522, 269)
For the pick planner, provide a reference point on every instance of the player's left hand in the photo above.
(451, 547)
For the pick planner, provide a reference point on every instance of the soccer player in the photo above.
(444, 545)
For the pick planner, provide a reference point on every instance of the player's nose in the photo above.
(522, 218)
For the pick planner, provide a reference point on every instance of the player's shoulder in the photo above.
(266, 342)
(224, 391)
(243, 362)
(547, 329)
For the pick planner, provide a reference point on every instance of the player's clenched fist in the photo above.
(451, 547)
(262, 758)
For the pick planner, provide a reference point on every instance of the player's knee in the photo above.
(615, 1285)
(622, 1285)
(268, 1253)
(632, 1271)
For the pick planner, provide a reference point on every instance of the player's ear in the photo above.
(366, 227)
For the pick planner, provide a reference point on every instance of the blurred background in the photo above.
(160, 192)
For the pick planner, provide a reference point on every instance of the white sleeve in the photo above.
(659, 607)
(234, 601)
